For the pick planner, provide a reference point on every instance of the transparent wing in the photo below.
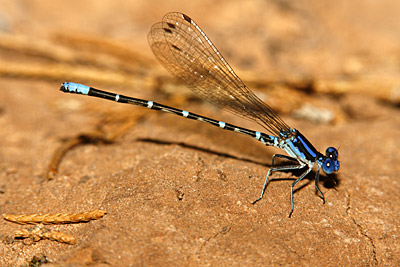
(186, 51)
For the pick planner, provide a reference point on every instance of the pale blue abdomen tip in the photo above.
(76, 88)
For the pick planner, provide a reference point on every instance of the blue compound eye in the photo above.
(331, 152)
(337, 165)
(329, 166)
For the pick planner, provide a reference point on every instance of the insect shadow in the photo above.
(329, 182)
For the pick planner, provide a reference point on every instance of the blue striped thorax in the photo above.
(297, 146)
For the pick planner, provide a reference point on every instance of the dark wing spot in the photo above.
(167, 30)
(176, 48)
(187, 18)
(171, 25)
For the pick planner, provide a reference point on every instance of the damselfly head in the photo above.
(331, 163)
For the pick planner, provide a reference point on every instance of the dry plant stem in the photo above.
(98, 46)
(89, 138)
(39, 232)
(67, 55)
(58, 218)
(86, 138)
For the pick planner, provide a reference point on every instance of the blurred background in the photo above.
(330, 68)
(330, 46)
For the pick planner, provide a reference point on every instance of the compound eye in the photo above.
(332, 153)
(337, 165)
(329, 166)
